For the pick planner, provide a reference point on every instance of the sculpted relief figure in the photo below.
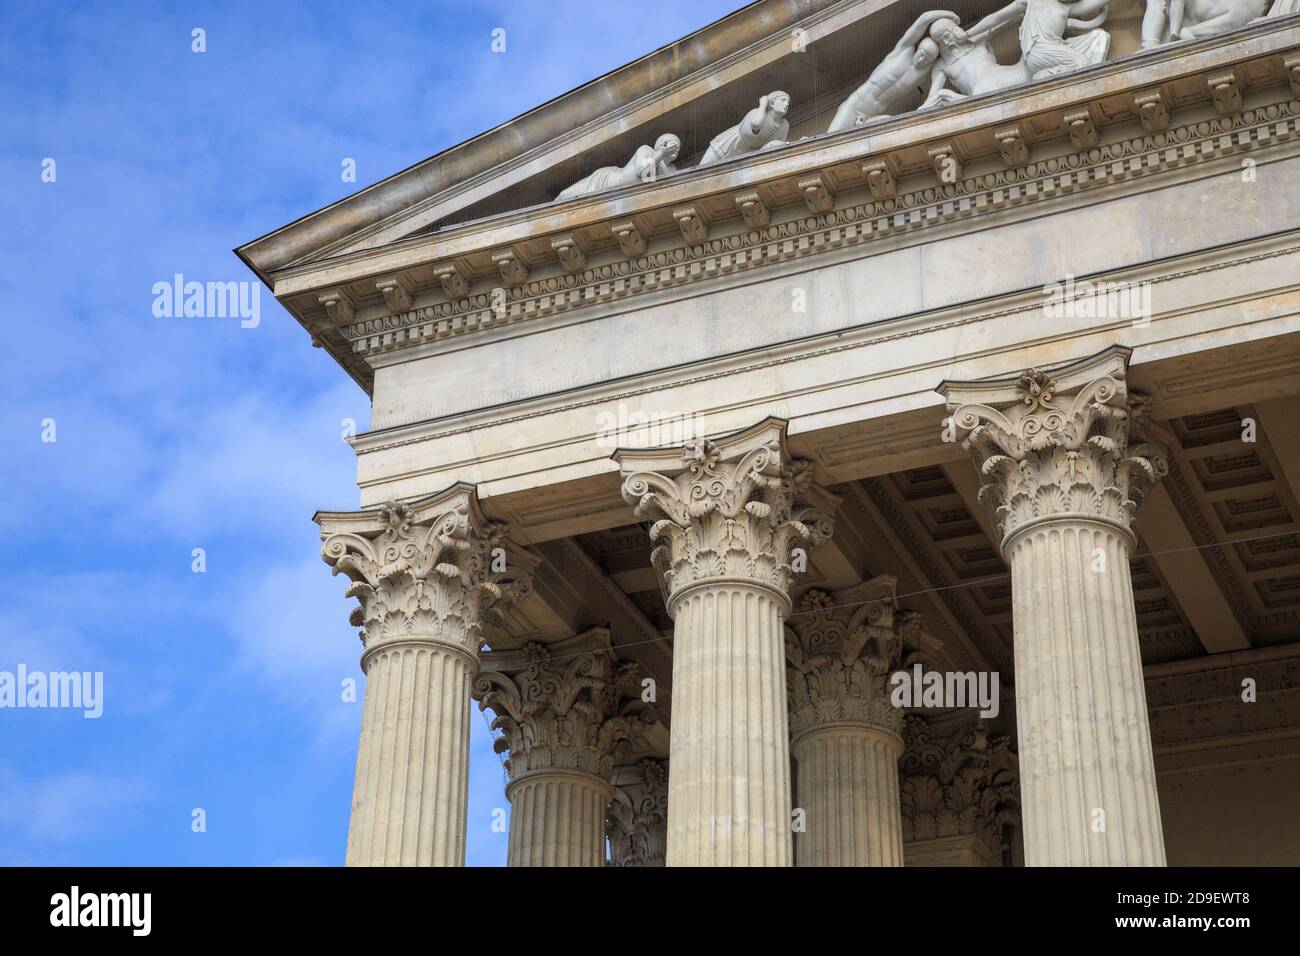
(899, 75)
(647, 164)
(762, 128)
(1045, 48)
(1166, 21)
(967, 66)
(1282, 8)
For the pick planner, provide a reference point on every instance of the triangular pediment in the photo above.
(818, 51)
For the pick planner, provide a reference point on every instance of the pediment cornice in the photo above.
(1104, 128)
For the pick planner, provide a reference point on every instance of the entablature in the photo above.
(1163, 110)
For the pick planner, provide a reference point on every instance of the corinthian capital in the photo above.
(731, 508)
(433, 568)
(839, 652)
(1075, 443)
(637, 821)
(566, 707)
(962, 783)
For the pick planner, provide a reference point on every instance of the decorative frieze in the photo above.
(887, 214)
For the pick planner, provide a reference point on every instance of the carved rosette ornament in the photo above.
(1077, 444)
(1066, 459)
(567, 714)
(729, 515)
(428, 575)
(840, 651)
(637, 821)
(962, 789)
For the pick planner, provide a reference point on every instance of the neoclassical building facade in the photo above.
(853, 435)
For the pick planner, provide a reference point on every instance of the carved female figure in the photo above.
(762, 128)
(647, 164)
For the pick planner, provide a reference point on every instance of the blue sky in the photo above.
(221, 688)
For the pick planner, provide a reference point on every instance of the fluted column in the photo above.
(730, 515)
(840, 651)
(1066, 460)
(424, 576)
(567, 713)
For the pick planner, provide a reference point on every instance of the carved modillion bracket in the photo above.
(1153, 111)
(947, 165)
(454, 279)
(1012, 145)
(692, 223)
(817, 194)
(513, 269)
(880, 178)
(398, 292)
(753, 209)
(572, 256)
(1225, 89)
(630, 238)
(339, 306)
(1082, 129)
(1292, 66)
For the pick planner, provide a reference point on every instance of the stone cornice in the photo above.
(988, 187)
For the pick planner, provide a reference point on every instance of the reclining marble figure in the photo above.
(647, 164)
(900, 75)
(1167, 21)
(764, 127)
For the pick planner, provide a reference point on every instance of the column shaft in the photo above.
(848, 790)
(1085, 744)
(409, 800)
(558, 820)
(729, 792)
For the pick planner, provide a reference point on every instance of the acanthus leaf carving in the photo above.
(719, 513)
(435, 569)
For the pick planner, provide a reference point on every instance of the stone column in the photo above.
(845, 733)
(637, 822)
(423, 573)
(732, 520)
(567, 712)
(960, 794)
(1065, 461)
